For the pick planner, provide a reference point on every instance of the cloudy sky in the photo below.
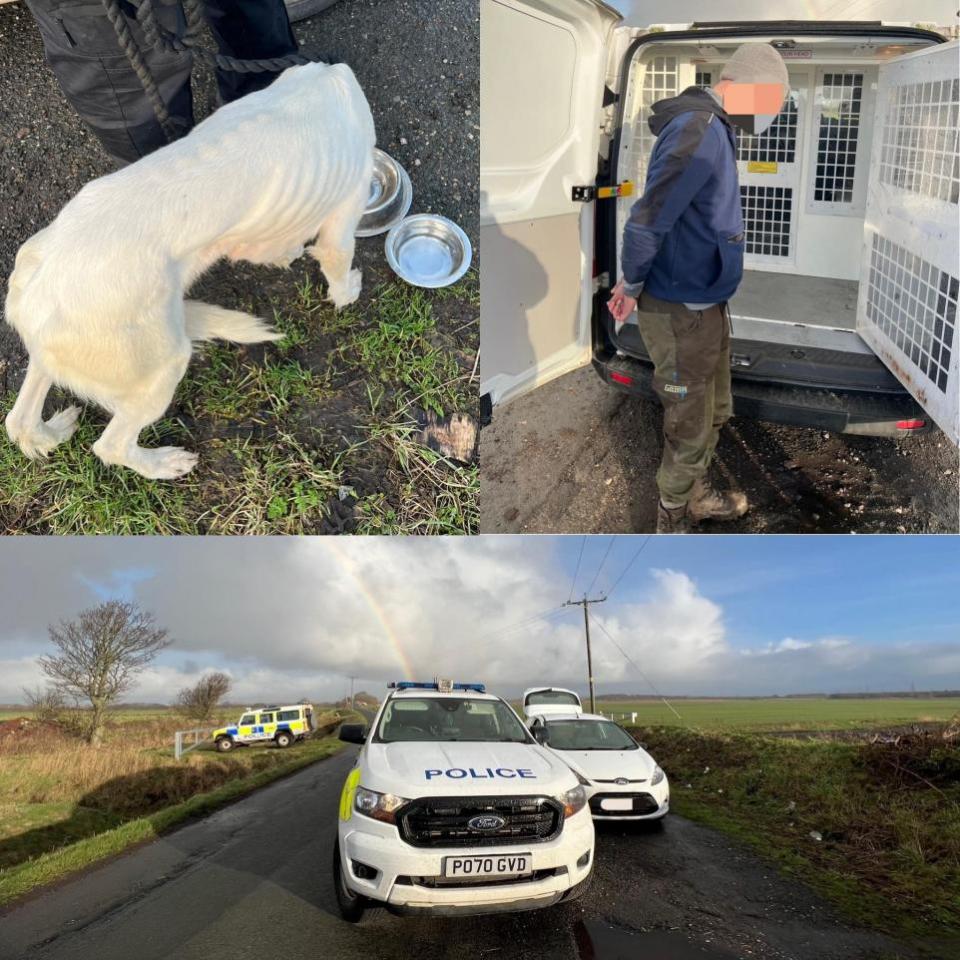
(291, 618)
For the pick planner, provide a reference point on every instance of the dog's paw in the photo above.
(343, 295)
(42, 439)
(164, 463)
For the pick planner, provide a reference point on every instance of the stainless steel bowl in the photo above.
(391, 194)
(428, 250)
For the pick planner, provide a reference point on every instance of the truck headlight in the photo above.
(658, 775)
(573, 800)
(378, 806)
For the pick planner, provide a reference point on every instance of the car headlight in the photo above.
(574, 800)
(378, 806)
(658, 775)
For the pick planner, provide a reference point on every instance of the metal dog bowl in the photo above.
(391, 194)
(428, 250)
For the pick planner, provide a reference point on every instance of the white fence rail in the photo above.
(186, 740)
(620, 717)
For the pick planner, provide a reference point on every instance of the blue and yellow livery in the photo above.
(279, 725)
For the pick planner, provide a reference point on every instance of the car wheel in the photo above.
(301, 9)
(224, 744)
(284, 739)
(354, 907)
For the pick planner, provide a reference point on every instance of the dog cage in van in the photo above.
(850, 205)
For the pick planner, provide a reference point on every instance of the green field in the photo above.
(782, 714)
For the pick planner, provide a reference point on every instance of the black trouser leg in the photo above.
(96, 77)
(249, 30)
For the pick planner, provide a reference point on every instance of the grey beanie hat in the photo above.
(756, 63)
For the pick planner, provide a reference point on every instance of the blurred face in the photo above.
(751, 106)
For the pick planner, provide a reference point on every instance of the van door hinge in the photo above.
(586, 194)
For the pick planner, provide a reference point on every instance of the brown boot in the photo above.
(708, 503)
(672, 519)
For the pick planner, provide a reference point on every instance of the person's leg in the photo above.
(86, 57)
(684, 346)
(249, 30)
(706, 501)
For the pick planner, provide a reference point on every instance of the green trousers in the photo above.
(690, 350)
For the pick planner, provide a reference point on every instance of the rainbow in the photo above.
(373, 603)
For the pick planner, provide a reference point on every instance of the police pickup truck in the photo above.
(453, 808)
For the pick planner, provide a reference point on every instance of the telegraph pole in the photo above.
(352, 704)
(585, 603)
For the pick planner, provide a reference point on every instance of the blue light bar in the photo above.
(418, 685)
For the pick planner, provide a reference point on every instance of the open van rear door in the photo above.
(542, 71)
(907, 306)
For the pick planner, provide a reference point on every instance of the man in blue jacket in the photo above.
(682, 261)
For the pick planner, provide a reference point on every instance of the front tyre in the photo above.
(225, 744)
(354, 907)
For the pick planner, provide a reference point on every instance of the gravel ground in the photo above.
(576, 456)
(254, 879)
(418, 63)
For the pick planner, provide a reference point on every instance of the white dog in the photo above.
(98, 296)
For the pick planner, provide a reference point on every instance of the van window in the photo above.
(288, 715)
(266, 718)
(248, 719)
(553, 696)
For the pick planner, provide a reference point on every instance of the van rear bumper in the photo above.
(839, 411)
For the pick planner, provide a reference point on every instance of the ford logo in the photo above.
(621, 781)
(486, 822)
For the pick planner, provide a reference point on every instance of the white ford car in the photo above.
(625, 782)
(454, 808)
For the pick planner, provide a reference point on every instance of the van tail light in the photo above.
(621, 378)
(911, 424)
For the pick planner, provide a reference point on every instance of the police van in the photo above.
(847, 313)
(279, 725)
(453, 808)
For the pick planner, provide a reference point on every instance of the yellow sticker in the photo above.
(624, 189)
(349, 791)
(761, 166)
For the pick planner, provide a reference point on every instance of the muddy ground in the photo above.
(311, 455)
(576, 456)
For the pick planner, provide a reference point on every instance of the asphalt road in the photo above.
(576, 456)
(254, 880)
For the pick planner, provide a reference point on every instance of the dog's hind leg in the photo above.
(334, 249)
(25, 424)
(136, 410)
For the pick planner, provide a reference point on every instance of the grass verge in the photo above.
(873, 827)
(56, 864)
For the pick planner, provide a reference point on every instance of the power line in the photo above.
(546, 614)
(629, 565)
(602, 562)
(573, 582)
(632, 662)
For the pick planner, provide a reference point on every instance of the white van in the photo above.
(846, 316)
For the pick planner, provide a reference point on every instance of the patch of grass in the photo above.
(786, 713)
(17, 880)
(286, 442)
(888, 816)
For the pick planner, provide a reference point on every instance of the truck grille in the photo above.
(443, 821)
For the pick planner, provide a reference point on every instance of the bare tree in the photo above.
(199, 701)
(45, 703)
(99, 655)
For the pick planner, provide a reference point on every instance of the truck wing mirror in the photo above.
(353, 733)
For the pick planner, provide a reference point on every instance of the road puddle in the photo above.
(600, 941)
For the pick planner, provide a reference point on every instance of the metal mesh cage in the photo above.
(841, 98)
(914, 304)
(778, 143)
(767, 216)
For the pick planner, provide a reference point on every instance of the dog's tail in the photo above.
(204, 321)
